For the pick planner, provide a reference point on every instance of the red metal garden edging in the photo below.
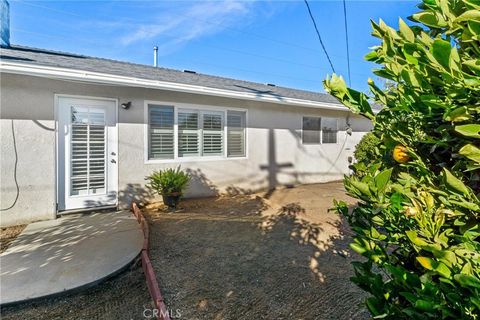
(152, 282)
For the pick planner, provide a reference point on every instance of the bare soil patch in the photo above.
(252, 257)
(123, 297)
(9, 234)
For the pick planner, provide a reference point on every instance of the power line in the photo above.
(138, 23)
(318, 34)
(346, 41)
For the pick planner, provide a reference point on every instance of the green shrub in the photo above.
(168, 182)
(417, 219)
(365, 149)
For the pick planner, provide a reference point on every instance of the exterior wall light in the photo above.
(127, 105)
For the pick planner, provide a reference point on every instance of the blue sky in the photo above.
(261, 41)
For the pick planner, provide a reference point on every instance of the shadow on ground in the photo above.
(246, 257)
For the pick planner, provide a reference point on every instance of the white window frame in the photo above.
(198, 108)
(321, 130)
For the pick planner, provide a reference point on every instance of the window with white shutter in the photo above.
(188, 134)
(212, 131)
(161, 135)
(236, 121)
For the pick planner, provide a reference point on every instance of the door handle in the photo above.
(113, 161)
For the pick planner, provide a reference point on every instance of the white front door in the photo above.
(87, 153)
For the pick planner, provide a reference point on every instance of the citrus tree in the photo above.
(418, 212)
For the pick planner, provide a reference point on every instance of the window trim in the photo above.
(321, 130)
(193, 107)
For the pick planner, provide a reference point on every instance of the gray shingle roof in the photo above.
(27, 55)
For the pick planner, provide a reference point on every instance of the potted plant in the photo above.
(170, 184)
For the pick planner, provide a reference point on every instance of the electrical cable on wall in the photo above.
(14, 171)
(318, 34)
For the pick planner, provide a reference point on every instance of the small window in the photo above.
(160, 132)
(311, 130)
(188, 134)
(236, 133)
(329, 130)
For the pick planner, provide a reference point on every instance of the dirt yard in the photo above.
(250, 257)
(9, 234)
(123, 297)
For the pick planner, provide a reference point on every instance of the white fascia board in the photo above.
(104, 78)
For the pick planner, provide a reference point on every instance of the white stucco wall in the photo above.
(275, 152)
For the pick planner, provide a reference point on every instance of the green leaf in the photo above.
(457, 115)
(405, 30)
(473, 64)
(466, 204)
(409, 296)
(474, 27)
(374, 306)
(358, 248)
(471, 152)
(441, 51)
(454, 183)
(436, 266)
(425, 305)
(371, 56)
(469, 15)
(361, 186)
(467, 280)
(474, 4)
(382, 179)
(429, 19)
(446, 256)
(413, 237)
(469, 130)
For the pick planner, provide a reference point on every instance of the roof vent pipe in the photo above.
(4, 23)
(155, 56)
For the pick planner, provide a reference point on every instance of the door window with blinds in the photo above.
(175, 133)
(87, 165)
(316, 130)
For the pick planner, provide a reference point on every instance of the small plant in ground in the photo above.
(169, 183)
(365, 149)
(417, 221)
(365, 153)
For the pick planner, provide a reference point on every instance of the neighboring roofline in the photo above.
(105, 78)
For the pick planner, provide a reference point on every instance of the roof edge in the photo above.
(111, 79)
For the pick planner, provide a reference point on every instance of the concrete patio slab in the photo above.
(74, 251)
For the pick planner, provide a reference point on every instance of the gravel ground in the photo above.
(9, 234)
(124, 296)
(249, 257)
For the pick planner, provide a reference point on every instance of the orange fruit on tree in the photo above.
(400, 154)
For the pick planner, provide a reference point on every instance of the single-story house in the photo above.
(79, 132)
